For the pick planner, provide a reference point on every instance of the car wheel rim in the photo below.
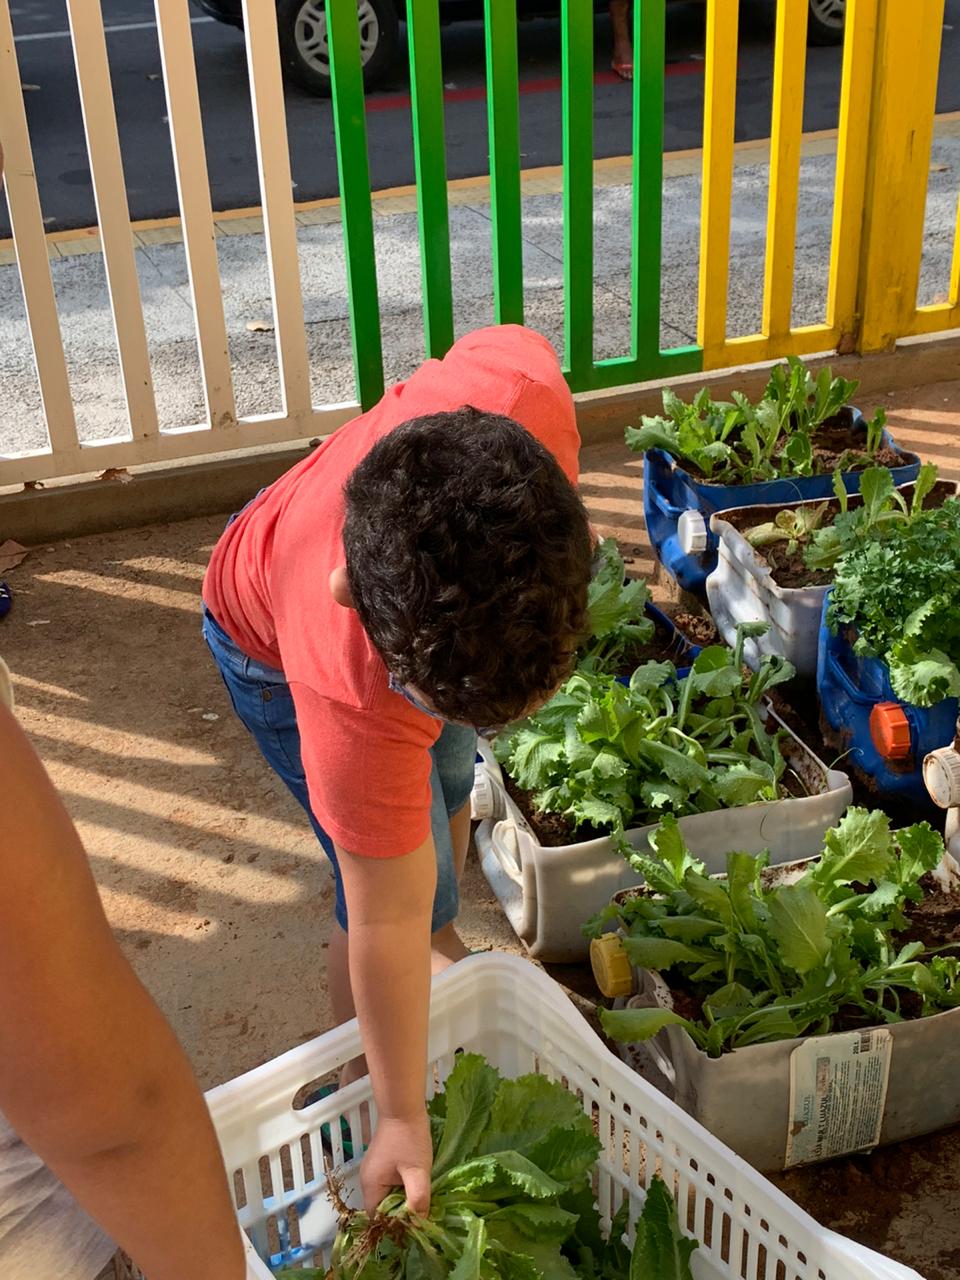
(830, 12)
(310, 33)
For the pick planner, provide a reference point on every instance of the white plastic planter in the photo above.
(520, 1021)
(742, 589)
(921, 1095)
(549, 893)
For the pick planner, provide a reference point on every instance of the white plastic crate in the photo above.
(508, 1010)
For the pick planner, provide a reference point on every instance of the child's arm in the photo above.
(91, 1076)
(389, 904)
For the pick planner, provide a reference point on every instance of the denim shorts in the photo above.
(261, 698)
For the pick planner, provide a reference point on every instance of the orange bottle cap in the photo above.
(890, 730)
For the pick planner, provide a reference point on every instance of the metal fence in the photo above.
(889, 82)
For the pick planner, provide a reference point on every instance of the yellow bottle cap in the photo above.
(612, 970)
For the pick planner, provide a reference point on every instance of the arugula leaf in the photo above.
(469, 1093)
(617, 612)
(859, 847)
(798, 924)
(632, 1026)
(661, 1250)
(525, 1110)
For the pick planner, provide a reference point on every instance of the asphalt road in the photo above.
(46, 65)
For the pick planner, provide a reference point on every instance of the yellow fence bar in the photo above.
(719, 111)
(789, 70)
(904, 99)
(851, 176)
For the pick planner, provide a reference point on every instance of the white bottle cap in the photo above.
(941, 777)
(486, 800)
(692, 533)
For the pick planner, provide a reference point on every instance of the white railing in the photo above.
(66, 454)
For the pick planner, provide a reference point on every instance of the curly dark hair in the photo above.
(468, 557)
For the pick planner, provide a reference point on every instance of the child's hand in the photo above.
(401, 1153)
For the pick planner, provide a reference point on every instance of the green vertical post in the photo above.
(577, 58)
(648, 57)
(346, 74)
(503, 113)
(429, 154)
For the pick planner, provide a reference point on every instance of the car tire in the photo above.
(825, 22)
(302, 28)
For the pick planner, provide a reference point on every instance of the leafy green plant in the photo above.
(618, 621)
(793, 526)
(737, 442)
(774, 962)
(511, 1198)
(616, 755)
(883, 506)
(901, 597)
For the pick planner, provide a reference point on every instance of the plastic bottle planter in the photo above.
(742, 589)
(887, 739)
(685, 546)
(548, 893)
(921, 1096)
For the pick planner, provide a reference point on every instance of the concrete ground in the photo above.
(88, 328)
(209, 874)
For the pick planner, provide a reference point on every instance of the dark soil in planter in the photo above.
(839, 435)
(662, 647)
(698, 628)
(791, 570)
(936, 920)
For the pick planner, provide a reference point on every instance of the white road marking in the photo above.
(120, 26)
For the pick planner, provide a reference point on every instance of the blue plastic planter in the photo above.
(668, 491)
(849, 688)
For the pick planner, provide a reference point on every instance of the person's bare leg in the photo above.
(622, 45)
(446, 946)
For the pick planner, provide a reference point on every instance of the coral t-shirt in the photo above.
(365, 748)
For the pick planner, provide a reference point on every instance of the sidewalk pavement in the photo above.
(88, 330)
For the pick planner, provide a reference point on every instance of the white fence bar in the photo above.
(26, 219)
(276, 189)
(113, 214)
(182, 444)
(193, 189)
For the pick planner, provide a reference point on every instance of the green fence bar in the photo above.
(350, 127)
(429, 154)
(577, 57)
(503, 113)
(646, 360)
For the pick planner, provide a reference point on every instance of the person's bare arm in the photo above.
(389, 904)
(91, 1075)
